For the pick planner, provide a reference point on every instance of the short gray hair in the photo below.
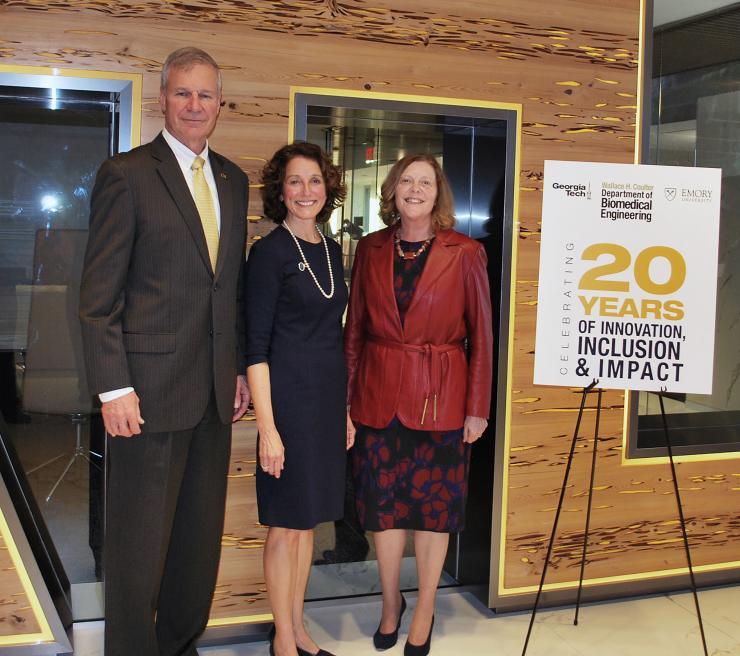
(185, 58)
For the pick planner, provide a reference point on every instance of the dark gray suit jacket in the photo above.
(154, 314)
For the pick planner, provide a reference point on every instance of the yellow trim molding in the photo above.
(136, 80)
(45, 635)
(401, 97)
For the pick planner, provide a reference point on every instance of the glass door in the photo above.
(475, 148)
(56, 132)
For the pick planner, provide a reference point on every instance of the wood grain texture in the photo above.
(240, 590)
(16, 615)
(572, 64)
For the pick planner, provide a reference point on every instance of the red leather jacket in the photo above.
(419, 372)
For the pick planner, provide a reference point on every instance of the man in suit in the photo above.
(161, 322)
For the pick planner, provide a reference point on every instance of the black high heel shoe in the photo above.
(383, 641)
(320, 652)
(419, 650)
(301, 652)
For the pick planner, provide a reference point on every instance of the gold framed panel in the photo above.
(32, 624)
(49, 73)
(504, 595)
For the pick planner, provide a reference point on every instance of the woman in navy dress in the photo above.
(419, 352)
(295, 298)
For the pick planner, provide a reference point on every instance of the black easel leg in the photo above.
(683, 523)
(586, 390)
(588, 507)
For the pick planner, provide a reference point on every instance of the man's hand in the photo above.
(122, 417)
(241, 401)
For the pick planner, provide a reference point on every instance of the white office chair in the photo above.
(54, 381)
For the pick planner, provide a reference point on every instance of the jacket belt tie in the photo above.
(436, 365)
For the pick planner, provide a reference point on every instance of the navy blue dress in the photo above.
(298, 332)
(405, 478)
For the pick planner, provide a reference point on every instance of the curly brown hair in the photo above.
(443, 212)
(273, 177)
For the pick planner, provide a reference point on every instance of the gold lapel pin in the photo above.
(224, 176)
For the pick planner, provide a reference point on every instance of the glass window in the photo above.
(696, 122)
(54, 140)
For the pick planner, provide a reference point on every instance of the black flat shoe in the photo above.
(419, 650)
(383, 641)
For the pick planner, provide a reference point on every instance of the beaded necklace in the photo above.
(410, 255)
(306, 265)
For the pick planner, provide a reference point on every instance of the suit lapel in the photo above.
(226, 204)
(171, 174)
(382, 271)
(440, 257)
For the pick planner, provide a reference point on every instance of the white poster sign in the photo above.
(628, 276)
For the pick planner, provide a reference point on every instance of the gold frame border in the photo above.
(136, 80)
(508, 403)
(402, 97)
(239, 619)
(45, 634)
(627, 424)
(136, 112)
(504, 592)
(622, 578)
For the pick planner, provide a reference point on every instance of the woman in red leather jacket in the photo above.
(418, 343)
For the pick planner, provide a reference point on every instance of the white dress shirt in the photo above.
(184, 157)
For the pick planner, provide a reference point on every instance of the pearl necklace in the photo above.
(308, 266)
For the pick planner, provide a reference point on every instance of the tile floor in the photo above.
(660, 625)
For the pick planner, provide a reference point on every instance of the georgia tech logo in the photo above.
(577, 190)
(670, 193)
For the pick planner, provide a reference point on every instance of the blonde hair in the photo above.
(443, 212)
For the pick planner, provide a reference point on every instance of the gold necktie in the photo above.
(204, 203)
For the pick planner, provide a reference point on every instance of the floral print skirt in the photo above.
(411, 479)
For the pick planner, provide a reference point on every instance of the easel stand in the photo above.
(586, 391)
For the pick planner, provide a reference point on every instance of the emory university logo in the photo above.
(670, 193)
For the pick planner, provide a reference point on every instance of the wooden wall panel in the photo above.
(16, 615)
(572, 64)
(241, 591)
(29, 623)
